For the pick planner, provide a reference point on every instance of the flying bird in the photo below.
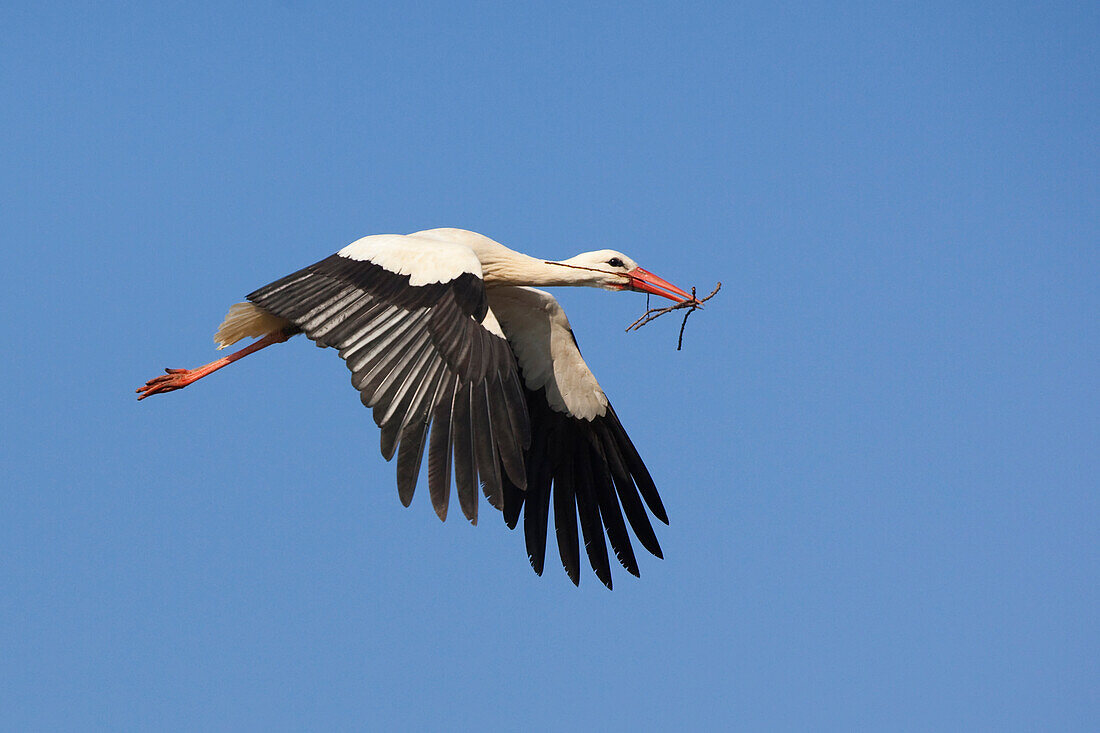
(442, 329)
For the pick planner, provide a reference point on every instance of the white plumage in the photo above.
(425, 260)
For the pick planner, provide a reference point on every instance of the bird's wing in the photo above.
(579, 451)
(410, 318)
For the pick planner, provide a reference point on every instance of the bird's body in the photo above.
(461, 359)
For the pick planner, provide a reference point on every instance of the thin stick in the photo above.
(680, 341)
(691, 306)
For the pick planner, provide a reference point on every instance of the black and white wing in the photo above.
(410, 318)
(580, 456)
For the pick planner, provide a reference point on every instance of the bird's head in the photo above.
(613, 270)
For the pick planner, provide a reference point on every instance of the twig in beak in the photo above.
(654, 313)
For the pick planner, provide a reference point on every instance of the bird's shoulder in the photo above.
(425, 260)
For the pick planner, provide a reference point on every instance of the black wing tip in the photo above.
(574, 575)
(605, 580)
(629, 563)
(607, 478)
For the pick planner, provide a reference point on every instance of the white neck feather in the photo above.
(519, 269)
(503, 266)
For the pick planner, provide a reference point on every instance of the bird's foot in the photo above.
(179, 378)
(171, 381)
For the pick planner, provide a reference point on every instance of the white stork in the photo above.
(439, 329)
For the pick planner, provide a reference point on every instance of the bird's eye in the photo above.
(615, 262)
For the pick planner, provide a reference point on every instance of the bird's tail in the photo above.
(247, 320)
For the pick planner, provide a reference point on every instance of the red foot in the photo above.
(180, 378)
(170, 382)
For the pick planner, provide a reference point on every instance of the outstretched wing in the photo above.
(580, 455)
(410, 318)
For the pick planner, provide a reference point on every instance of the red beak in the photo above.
(647, 282)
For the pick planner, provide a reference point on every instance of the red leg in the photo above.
(180, 378)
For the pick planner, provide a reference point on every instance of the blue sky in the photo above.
(878, 447)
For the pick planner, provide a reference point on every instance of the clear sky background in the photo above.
(878, 447)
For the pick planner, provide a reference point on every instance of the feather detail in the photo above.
(247, 320)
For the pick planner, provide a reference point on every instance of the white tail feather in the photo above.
(247, 320)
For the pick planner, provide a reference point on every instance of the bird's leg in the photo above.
(180, 378)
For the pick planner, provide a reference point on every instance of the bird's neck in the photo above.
(515, 268)
(503, 266)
